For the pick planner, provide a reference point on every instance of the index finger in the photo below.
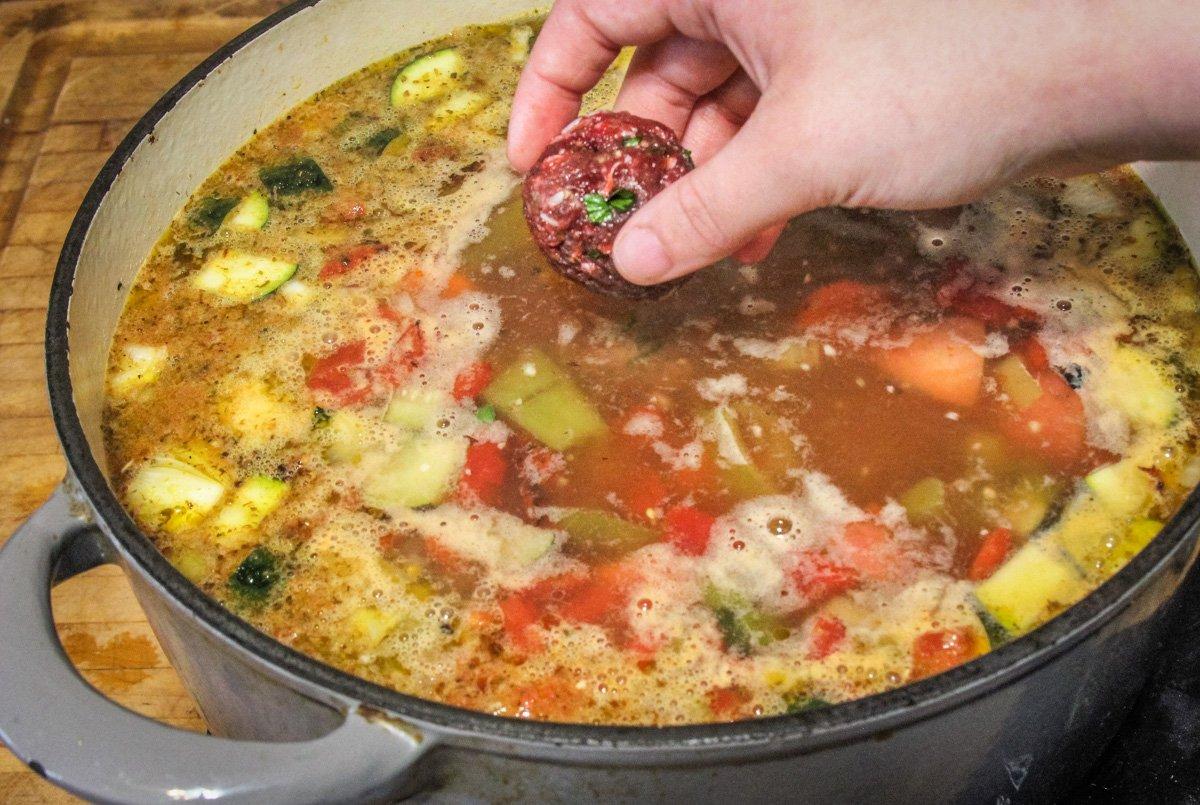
(576, 45)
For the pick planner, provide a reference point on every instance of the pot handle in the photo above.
(70, 734)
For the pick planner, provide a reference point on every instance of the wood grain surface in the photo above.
(74, 76)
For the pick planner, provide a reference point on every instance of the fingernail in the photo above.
(640, 256)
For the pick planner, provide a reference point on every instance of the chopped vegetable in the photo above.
(1034, 584)
(991, 554)
(427, 77)
(689, 529)
(297, 176)
(594, 532)
(538, 396)
(472, 381)
(1123, 488)
(485, 471)
(211, 211)
(925, 500)
(422, 473)
(942, 362)
(742, 627)
(486, 414)
(257, 575)
(172, 494)
(241, 277)
(943, 649)
(602, 209)
(251, 503)
(1015, 380)
(138, 366)
(250, 214)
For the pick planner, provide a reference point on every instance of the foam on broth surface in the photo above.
(412, 450)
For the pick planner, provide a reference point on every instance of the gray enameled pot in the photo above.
(1014, 726)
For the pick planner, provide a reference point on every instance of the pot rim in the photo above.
(805, 731)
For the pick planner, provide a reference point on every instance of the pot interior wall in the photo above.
(304, 53)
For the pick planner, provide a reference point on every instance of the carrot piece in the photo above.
(872, 550)
(1052, 426)
(413, 281)
(843, 300)
(456, 285)
(940, 363)
(688, 529)
(992, 551)
(827, 634)
(471, 381)
(600, 596)
(941, 650)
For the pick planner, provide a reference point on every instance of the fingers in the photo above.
(574, 48)
(667, 78)
(718, 116)
(749, 186)
(759, 246)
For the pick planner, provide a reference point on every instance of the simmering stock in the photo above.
(348, 399)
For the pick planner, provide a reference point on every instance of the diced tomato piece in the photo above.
(521, 613)
(345, 207)
(941, 362)
(1053, 426)
(406, 354)
(688, 529)
(349, 259)
(941, 650)
(844, 300)
(992, 552)
(600, 597)
(642, 492)
(457, 284)
(471, 381)
(485, 471)
(818, 578)
(872, 550)
(728, 702)
(413, 282)
(340, 375)
(445, 558)
(827, 634)
(959, 293)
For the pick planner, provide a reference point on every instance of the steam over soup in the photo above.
(349, 399)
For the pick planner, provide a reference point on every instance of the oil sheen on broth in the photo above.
(348, 399)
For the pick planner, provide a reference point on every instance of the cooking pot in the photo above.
(1019, 724)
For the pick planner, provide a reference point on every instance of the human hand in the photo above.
(790, 105)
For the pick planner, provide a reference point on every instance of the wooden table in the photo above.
(74, 76)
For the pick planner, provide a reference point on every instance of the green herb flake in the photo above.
(601, 209)
(687, 157)
(320, 417)
(799, 703)
(256, 575)
(631, 142)
(486, 413)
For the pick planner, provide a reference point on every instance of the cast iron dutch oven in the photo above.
(1019, 724)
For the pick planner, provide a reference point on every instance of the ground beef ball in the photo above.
(588, 182)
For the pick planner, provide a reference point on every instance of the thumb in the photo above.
(713, 211)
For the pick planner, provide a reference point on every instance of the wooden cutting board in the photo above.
(74, 77)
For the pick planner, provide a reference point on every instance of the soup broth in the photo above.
(349, 399)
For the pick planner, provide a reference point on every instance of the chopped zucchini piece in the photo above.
(1123, 489)
(258, 415)
(349, 436)
(195, 565)
(535, 394)
(1139, 534)
(800, 356)
(417, 409)
(171, 494)
(743, 628)
(251, 503)
(803, 702)
(458, 106)
(379, 142)
(1022, 388)
(241, 277)
(294, 177)
(426, 77)
(139, 365)
(211, 211)
(257, 575)
(250, 214)
(421, 473)
(740, 475)
(1037, 582)
(397, 146)
(594, 532)
(925, 500)
(1026, 506)
(522, 547)
(370, 625)
(1141, 390)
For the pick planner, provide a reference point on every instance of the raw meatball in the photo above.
(588, 182)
